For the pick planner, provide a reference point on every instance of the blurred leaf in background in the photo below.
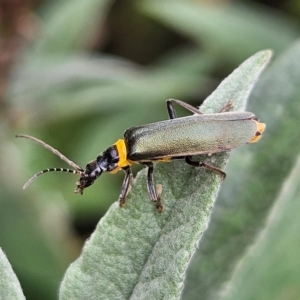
(76, 74)
(272, 263)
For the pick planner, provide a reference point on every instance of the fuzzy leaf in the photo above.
(10, 288)
(138, 253)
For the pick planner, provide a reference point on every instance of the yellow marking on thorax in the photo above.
(122, 152)
(260, 129)
(124, 162)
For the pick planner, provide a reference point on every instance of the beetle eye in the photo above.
(88, 167)
(95, 173)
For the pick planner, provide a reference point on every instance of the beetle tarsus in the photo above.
(122, 201)
(159, 205)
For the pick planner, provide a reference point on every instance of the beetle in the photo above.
(176, 138)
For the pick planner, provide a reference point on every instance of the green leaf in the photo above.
(120, 84)
(222, 29)
(67, 27)
(138, 253)
(272, 265)
(10, 288)
(255, 181)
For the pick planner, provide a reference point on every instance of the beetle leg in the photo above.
(150, 185)
(188, 160)
(125, 186)
(154, 193)
(226, 107)
(159, 205)
(195, 110)
(171, 109)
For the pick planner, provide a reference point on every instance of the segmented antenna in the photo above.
(53, 150)
(78, 170)
(33, 178)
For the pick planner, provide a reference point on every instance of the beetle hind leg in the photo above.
(195, 110)
(171, 109)
(188, 160)
(226, 107)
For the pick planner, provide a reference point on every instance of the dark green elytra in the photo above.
(193, 135)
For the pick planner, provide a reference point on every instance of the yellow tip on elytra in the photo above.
(259, 130)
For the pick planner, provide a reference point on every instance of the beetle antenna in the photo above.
(78, 169)
(33, 178)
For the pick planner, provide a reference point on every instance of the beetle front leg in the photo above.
(154, 193)
(125, 186)
(188, 160)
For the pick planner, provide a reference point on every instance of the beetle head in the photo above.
(87, 178)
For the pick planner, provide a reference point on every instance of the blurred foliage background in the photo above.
(76, 74)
